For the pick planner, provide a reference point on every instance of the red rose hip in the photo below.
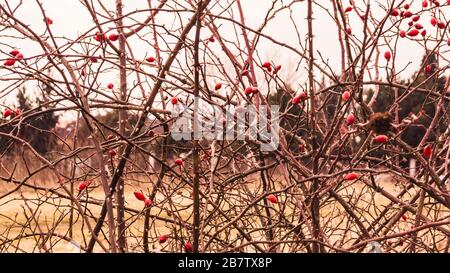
(346, 95)
(380, 139)
(413, 32)
(82, 186)
(387, 55)
(188, 247)
(350, 119)
(7, 113)
(272, 199)
(162, 239)
(428, 151)
(351, 176)
(139, 196)
(113, 37)
(179, 161)
(148, 202)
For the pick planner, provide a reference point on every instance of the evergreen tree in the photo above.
(37, 131)
(417, 103)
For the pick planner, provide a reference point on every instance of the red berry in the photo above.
(112, 152)
(19, 56)
(428, 69)
(110, 86)
(18, 111)
(83, 72)
(423, 33)
(113, 37)
(110, 137)
(436, 3)
(179, 161)
(139, 196)
(448, 2)
(349, 31)
(188, 247)
(350, 119)
(416, 18)
(9, 62)
(351, 176)
(404, 217)
(218, 86)
(48, 21)
(249, 90)
(99, 37)
(407, 14)
(162, 239)
(272, 199)
(82, 186)
(346, 95)
(406, 6)
(277, 68)
(433, 21)
(448, 41)
(14, 52)
(428, 151)
(380, 139)
(413, 32)
(402, 34)
(300, 97)
(441, 25)
(211, 39)
(296, 100)
(266, 65)
(7, 113)
(94, 59)
(425, 3)
(148, 202)
(348, 9)
(151, 59)
(410, 23)
(174, 100)
(418, 26)
(387, 55)
(395, 12)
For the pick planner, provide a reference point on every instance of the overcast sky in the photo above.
(71, 19)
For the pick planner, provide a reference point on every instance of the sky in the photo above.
(71, 19)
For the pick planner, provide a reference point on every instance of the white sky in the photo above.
(71, 19)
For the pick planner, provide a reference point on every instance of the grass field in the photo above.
(51, 219)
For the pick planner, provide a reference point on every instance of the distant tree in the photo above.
(417, 103)
(37, 130)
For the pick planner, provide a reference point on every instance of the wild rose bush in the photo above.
(362, 160)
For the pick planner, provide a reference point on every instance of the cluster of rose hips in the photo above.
(9, 113)
(271, 68)
(16, 56)
(415, 27)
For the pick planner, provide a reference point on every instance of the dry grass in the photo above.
(52, 217)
